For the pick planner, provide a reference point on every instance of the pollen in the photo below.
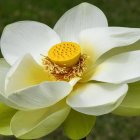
(65, 54)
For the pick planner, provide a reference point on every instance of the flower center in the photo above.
(65, 61)
(65, 54)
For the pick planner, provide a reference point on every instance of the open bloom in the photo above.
(81, 64)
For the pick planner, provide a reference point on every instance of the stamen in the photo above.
(63, 72)
(65, 61)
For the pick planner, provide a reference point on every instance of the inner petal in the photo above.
(25, 73)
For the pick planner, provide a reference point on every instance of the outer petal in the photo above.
(29, 89)
(97, 41)
(77, 19)
(96, 99)
(78, 125)
(122, 68)
(35, 124)
(131, 103)
(27, 37)
(4, 67)
(43, 95)
(6, 115)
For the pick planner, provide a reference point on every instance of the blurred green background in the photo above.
(119, 13)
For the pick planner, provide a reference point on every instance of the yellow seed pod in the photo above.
(65, 53)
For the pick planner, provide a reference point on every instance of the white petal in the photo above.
(27, 37)
(27, 87)
(4, 67)
(77, 19)
(100, 40)
(40, 96)
(122, 68)
(96, 99)
(24, 73)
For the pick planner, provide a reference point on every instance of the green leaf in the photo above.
(37, 123)
(6, 113)
(78, 125)
(131, 104)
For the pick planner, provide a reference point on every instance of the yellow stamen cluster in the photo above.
(65, 73)
(64, 61)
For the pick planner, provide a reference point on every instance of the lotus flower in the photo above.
(78, 70)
